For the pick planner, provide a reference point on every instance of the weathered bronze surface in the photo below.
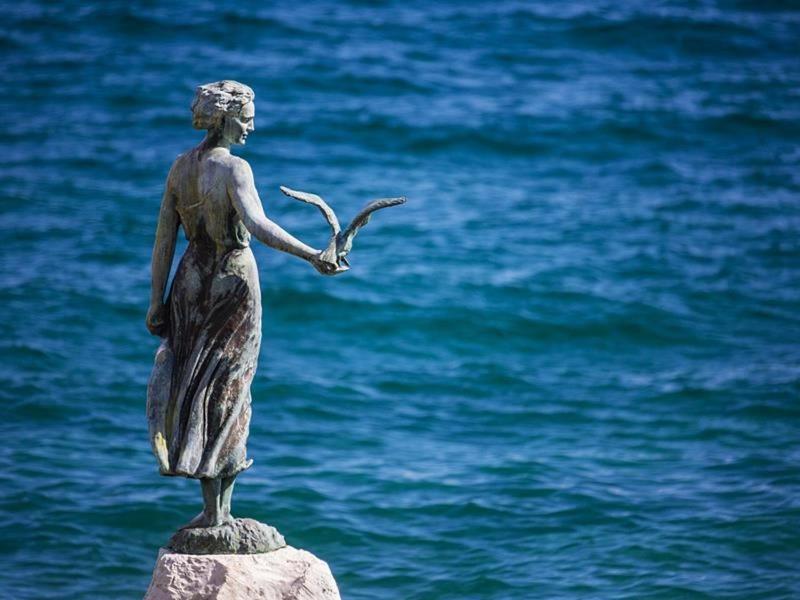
(198, 397)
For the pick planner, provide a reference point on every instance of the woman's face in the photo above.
(236, 129)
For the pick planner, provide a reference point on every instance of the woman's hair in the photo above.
(214, 100)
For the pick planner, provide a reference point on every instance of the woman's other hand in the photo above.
(157, 320)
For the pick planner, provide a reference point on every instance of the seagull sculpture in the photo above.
(341, 242)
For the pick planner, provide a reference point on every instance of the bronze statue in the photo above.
(198, 401)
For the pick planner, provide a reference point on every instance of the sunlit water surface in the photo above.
(567, 368)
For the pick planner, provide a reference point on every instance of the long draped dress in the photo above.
(198, 400)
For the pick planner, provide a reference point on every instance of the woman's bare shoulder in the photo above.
(225, 160)
(182, 159)
(239, 169)
(221, 163)
(179, 166)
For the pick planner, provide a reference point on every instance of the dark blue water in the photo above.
(567, 368)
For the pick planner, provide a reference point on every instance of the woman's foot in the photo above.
(199, 521)
(205, 520)
(223, 520)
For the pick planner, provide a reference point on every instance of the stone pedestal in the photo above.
(240, 536)
(284, 574)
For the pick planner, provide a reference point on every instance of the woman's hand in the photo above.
(324, 266)
(157, 320)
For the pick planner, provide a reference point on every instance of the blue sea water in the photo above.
(568, 367)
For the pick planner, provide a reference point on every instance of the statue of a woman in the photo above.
(198, 402)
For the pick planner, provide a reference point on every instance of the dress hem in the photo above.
(232, 473)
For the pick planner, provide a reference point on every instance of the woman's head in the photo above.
(225, 105)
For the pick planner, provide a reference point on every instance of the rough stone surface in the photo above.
(242, 536)
(285, 574)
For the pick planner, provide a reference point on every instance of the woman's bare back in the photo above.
(201, 181)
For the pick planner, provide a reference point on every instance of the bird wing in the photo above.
(326, 210)
(362, 218)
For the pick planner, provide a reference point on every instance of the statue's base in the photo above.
(242, 536)
(284, 574)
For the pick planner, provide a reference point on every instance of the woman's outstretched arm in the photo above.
(245, 200)
(163, 253)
